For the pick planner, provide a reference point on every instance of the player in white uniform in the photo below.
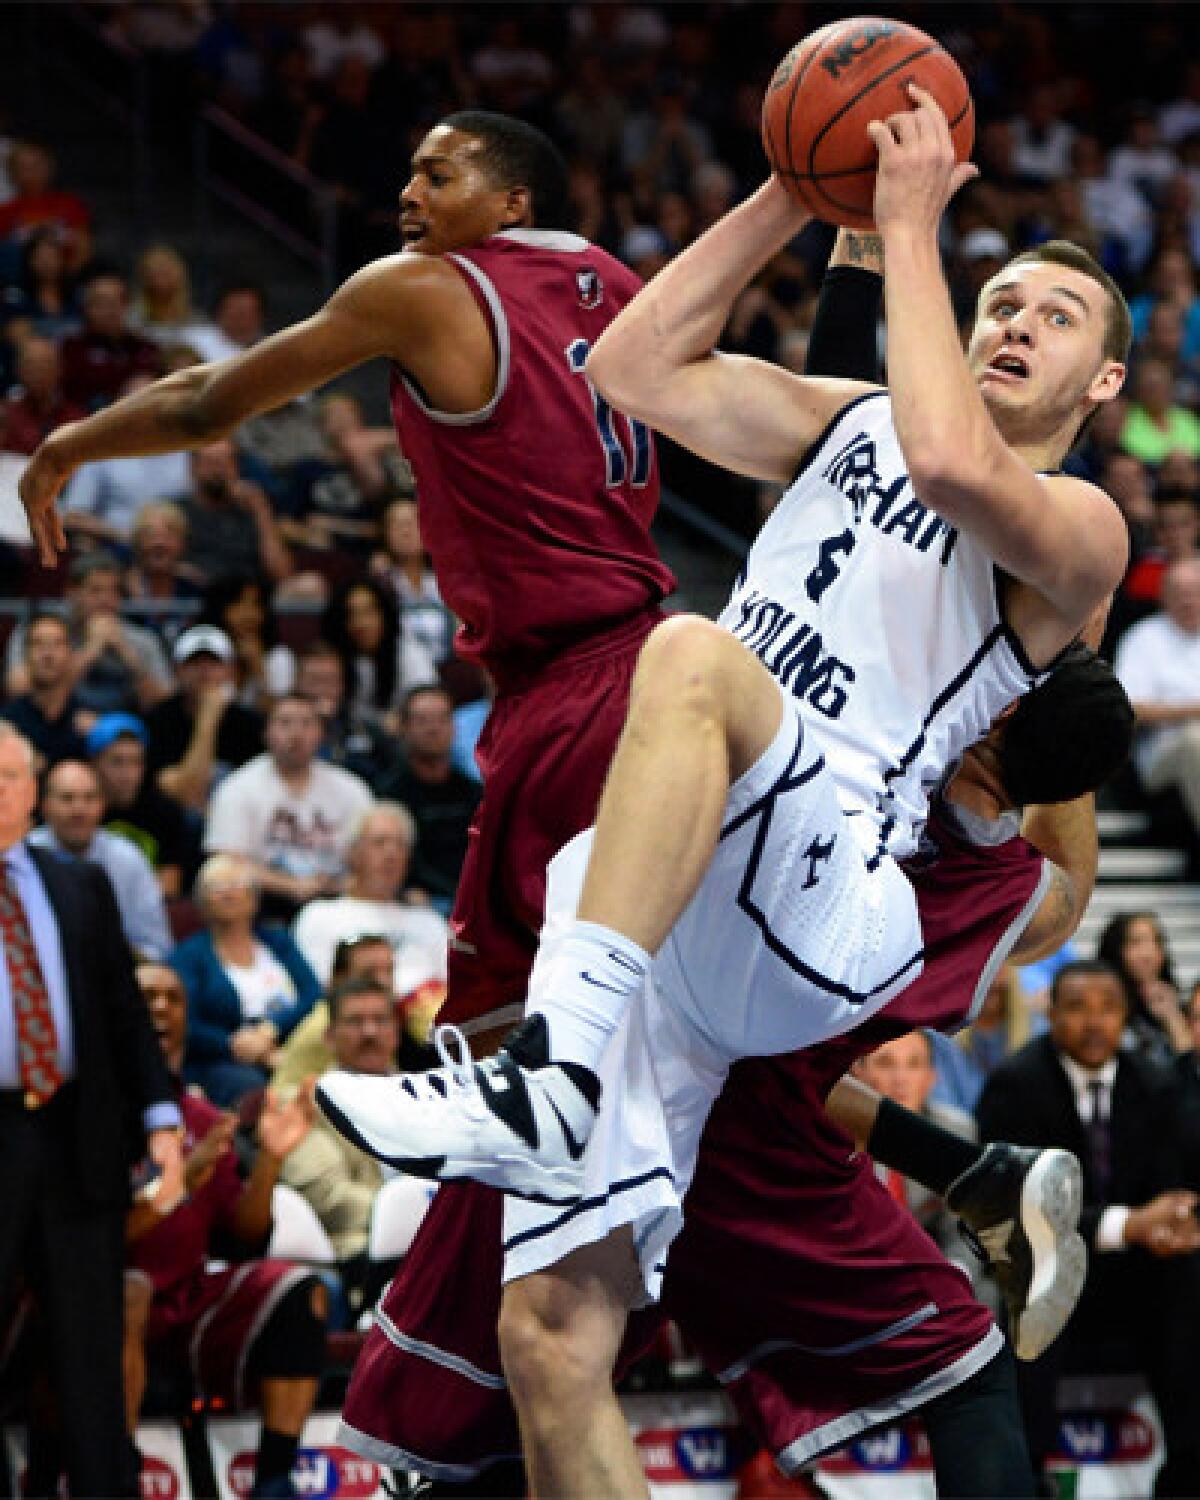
(764, 787)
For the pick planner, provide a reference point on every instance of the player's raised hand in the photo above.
(918, 170)
(39, 488)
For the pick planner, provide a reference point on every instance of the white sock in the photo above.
(582, 985)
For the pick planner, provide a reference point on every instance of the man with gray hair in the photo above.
(378, 864)
(1158, 662)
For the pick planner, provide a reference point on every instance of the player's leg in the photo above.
(1020, 1206)
(976, 1436)
(703, 711)
(560, 1332)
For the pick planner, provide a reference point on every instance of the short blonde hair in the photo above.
(217, 865)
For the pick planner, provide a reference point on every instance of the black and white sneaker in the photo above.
(1021, 1208)
(517, 1121)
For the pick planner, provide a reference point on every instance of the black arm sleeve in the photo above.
(843, 341)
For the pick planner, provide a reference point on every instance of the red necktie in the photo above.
(37, 1040)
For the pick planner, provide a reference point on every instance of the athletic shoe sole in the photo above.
(515, 1173)
(1051, 1199)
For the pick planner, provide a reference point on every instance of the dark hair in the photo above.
(347, 989)
(1111, 950)
(292, 696)
(385, 658)
(1069, 734)
(1118, 325)
(1084, 968)
(515, 154)
(346, 946)
(232, 288)
(422, 688)
(222, 592)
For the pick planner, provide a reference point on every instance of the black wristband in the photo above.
(843, 342)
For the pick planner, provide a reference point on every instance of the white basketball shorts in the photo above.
(789, 940)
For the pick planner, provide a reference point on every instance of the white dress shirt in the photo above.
(1110, 1232)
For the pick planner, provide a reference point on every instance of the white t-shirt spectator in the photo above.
(1157, 662)
(264, 987)
(418, 935)
(254, 812)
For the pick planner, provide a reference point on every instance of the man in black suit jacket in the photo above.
(66, 1150)
(1076, 1089)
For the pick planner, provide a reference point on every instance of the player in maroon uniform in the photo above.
(808, 1291)
(535, 498)
(535, 504)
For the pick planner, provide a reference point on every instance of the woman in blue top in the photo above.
(248, 985)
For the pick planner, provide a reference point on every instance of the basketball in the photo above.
(828, 89)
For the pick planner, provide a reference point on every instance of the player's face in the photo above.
(1037, 348)
(449, 201)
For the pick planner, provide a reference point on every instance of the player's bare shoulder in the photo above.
(1104, 536)
(409, 293)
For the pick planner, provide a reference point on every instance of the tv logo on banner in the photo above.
(319, 1473)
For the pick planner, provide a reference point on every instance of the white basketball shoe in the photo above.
(516, 1121)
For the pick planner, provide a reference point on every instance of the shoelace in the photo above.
(457, 1072)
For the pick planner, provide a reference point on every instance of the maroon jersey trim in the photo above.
(822, 1440)
(1008, 942)
(490, 305)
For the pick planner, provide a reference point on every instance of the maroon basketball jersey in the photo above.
(536, 510)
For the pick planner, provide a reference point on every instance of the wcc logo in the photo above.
(852, 48)
(590, 287)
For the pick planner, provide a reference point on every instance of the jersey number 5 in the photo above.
(619, 466)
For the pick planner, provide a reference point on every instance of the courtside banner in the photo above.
(690, 1444)
(323, 1470)
(1107, 1454)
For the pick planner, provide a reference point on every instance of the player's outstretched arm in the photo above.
(657, 361)
(388, 308)
(1060, 535)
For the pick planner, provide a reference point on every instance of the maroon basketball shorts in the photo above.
(214, 1331)
(544, 753)
(812, 1296)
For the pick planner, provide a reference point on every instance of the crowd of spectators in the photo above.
(246, 702)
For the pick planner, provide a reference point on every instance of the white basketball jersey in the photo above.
(884, 622)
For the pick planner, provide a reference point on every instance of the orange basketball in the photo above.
(829, 88)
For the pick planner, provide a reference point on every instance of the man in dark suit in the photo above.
(1076, 1089)
(84, 1092)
